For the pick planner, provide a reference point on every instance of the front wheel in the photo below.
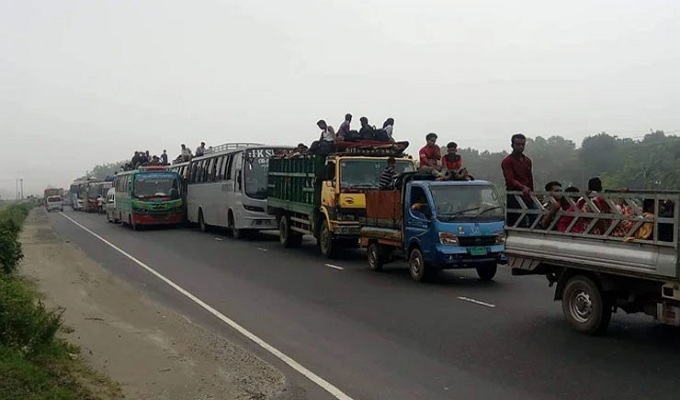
(585, 307)
(326, 242)
(487, 272)
(416, 265)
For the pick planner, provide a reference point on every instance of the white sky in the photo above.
(86, 82)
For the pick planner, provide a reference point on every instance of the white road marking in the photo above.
(334, 267)
(262, 249)
(481, 303)
(325, 385)
(220, 239)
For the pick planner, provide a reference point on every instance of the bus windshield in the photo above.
(93, 190)
(155, 184)
(364, 173)
(255, 171)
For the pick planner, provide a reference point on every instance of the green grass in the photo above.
(34, 362)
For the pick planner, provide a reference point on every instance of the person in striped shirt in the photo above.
(386, 179)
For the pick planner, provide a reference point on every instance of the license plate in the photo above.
(478, 251)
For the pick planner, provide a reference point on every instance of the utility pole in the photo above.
(22, 188)
(16, 189)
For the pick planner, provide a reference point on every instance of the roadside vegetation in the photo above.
(34, 362)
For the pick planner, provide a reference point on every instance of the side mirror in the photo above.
(330, 172)
(239, 180)
(174, 193)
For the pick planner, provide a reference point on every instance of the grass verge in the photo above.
(34, 362)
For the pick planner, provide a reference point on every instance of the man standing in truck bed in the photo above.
(518, 174)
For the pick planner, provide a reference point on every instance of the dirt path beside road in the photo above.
(154, 352)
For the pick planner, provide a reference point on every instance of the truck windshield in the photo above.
(362, 174)
(155, 184)
(461, 202)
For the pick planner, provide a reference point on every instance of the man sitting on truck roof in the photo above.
(430, 155)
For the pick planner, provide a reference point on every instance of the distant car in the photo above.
(55, 203)
(110, 206)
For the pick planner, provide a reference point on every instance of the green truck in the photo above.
(323, 196)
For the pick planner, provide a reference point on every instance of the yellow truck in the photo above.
(323, 196)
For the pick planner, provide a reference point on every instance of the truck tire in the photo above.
(487, 272)
(326, 242)
(416, 265)
(376, 259)
(287, 237)
(585, 307)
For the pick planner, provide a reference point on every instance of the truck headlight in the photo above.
(448, 238)
(500, 239)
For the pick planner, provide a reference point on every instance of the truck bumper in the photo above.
(466, 257)
(158, 219)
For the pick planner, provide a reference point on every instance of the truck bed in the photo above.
(383, 209)
(533, 249)
(294, 184)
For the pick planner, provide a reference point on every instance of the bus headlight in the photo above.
(448, 238)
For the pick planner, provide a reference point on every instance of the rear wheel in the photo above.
(201, 222)
(416, 264)
(585, 306)
(376, 259)
(487, 272)
(287, 236)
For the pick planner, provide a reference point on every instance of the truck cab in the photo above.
(436, 225)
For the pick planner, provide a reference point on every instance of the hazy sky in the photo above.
(86, 82)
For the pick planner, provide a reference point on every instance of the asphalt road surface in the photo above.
(380, 335)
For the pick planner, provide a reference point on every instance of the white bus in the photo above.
(227, 187)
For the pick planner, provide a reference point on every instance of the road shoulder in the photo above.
(154, 352)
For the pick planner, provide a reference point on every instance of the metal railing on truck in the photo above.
(632, 232)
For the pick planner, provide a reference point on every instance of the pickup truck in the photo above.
(323, 195)
(435, 225)
(603, 252)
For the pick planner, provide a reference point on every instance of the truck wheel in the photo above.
(585, 307)
(416, 265)
(326, 242)
(376, 260)
(487, 272)
(287, 237)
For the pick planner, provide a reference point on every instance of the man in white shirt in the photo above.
(327, 131)
(200, 150)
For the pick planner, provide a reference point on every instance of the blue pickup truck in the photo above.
(435, 225)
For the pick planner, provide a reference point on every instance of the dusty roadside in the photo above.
(152, 351)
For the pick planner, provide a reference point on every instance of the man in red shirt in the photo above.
(518, 174)
(430, 155)
(453, 162)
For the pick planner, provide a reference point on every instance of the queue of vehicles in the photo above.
(246, 187)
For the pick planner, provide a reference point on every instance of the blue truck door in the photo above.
(417, 221)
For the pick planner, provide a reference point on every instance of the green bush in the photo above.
(11, 220)
(25, 324)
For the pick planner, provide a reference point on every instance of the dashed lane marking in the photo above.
(334, 267)
(322, 383)
(262, 249)
(481, 303)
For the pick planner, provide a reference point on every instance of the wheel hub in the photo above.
(581, 306)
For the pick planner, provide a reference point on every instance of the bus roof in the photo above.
(233, 148)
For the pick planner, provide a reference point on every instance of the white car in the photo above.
(55, 203)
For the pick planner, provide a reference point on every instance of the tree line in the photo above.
(652, 162)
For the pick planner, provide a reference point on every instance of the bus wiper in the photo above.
(457, 213)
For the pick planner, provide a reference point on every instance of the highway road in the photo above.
(381, 335)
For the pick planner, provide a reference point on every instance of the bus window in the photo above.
(227, 167)
(218, 168)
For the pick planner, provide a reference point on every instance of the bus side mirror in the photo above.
(174, 193)
(239, 179)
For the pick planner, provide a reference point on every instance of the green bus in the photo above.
(149, 196)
